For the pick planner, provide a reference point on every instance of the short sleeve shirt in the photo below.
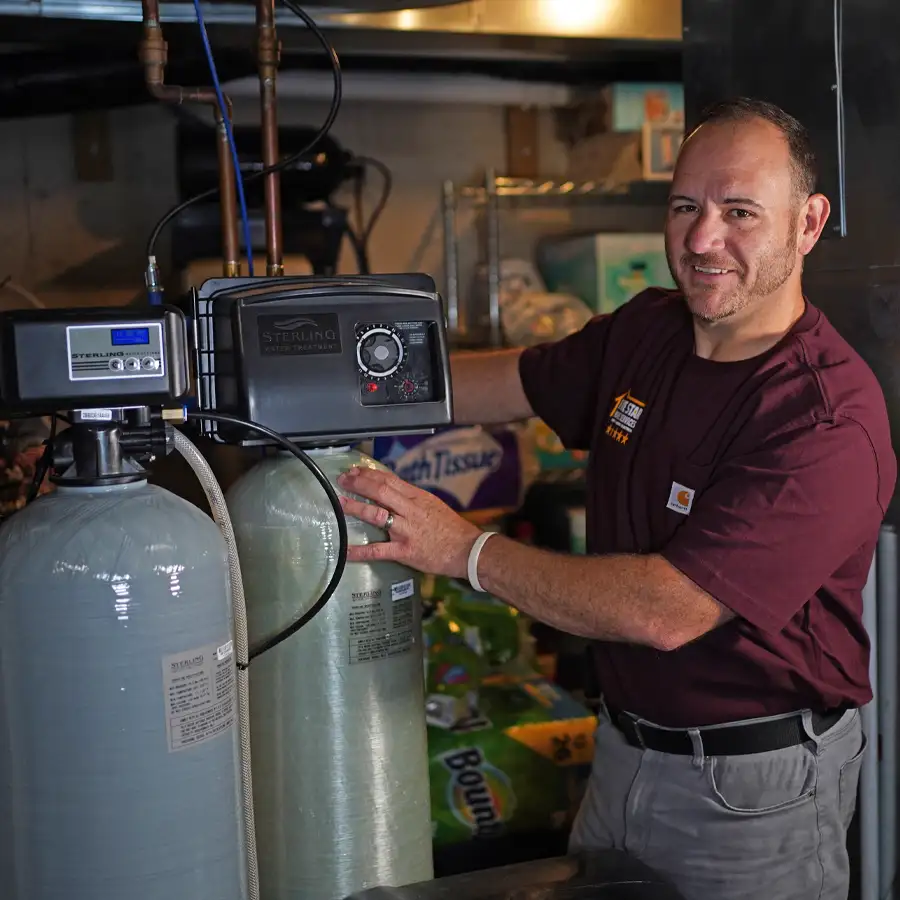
(764, 481)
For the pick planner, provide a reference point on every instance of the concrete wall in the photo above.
(81, 241)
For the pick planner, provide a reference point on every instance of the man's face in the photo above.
(733, 229)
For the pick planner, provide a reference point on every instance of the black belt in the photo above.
(724, 740)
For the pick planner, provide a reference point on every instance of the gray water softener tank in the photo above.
(337, 711)
(119, 775)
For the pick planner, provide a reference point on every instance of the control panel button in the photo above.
(132, 364)
(149, 363)
(116, 364)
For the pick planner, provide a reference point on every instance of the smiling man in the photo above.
(740, 468)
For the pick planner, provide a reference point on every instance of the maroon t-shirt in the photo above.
(765, 481)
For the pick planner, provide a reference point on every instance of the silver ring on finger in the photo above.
(389, 522)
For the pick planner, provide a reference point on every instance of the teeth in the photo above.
(706, 270)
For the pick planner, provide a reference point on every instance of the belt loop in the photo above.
(697, 744)
(809, 728)
(603, 709)
(636, 724)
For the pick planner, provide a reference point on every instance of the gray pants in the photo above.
(766, 826)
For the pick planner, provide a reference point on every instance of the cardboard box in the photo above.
(660, 145)
(519, 764)
(621, 107)
(630, 105)
(626, 132)
(604, 270)
(611, 159)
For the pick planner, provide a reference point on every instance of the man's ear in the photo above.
(813, 216)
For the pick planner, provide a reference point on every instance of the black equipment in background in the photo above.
(314, 177)
(314, 225)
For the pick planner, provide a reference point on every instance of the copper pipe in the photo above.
(154, 55)
(231, 250)
(269, 53)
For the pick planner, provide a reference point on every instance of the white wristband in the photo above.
(474, 553)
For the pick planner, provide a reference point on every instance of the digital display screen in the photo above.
(128, 337)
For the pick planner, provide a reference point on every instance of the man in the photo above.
(740, 468)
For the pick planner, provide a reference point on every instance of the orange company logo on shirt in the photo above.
(624, 416)
(681, 498)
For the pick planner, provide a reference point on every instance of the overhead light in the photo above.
(573, 16)
(372, 6)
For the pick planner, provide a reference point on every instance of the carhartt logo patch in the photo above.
(681, 498)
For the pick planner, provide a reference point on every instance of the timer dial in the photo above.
(380, 351)
(409, 387)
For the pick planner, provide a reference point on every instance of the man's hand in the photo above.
(635, 599)
(425, 533)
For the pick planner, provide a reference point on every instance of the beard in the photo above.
(710, 303)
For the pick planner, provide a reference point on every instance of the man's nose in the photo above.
(706, 234)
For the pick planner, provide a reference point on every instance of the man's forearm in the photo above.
(632, 599)
(487, 388)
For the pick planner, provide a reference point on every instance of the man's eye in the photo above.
(741, 213)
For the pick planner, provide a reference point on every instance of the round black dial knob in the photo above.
(410, 386)
(379, 352)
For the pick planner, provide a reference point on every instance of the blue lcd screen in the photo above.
(127, 337)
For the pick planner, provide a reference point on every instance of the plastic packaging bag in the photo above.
(530, 314)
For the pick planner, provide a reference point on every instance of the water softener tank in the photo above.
(119, 773)
(340, 764)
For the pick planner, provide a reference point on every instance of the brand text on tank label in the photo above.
(199, 694)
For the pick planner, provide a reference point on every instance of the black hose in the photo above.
(387, 184)
(343, 541)
(43, 464)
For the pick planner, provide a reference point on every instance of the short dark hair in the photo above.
(742, 109)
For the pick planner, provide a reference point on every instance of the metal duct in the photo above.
(617, 20)
(63, 81)
(375, 6)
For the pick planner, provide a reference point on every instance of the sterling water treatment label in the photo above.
(199, 689)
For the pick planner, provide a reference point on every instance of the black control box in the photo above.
(322, 360)
(67, 359)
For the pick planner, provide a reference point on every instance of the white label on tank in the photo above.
(199, 687)
(381, 627)
(96, 415)
(403, 589)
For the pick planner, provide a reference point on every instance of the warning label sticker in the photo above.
(199, 688)
(381, 625)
